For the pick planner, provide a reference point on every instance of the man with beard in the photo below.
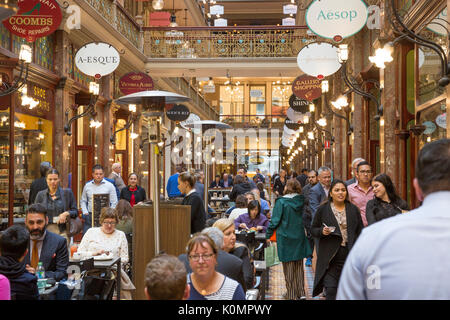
(45, 246)
(13, 247)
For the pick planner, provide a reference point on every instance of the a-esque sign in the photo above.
(97, 59)
(35, 19)
(135, 82)
(319, 59)
(307, 87)
(299, 105)
(336, 19)
(178, 112)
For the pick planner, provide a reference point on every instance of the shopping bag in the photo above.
(271, 256)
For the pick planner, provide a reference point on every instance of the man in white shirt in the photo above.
(97, 186)
(407, 256)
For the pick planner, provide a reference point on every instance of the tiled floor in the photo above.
(277, 285)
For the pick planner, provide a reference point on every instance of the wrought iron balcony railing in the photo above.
(224, 42)
(120, 19)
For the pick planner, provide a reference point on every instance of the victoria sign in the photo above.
(35, 19)
(135, 82)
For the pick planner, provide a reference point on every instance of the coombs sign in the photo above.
(97, 59)
(35, 19)
(133, 82)
(336, 19)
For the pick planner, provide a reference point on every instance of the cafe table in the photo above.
(105, 265)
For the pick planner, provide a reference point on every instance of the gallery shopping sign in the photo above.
(336, 19)
(97, 59)
(306, 88)
(133, 82)
(35, 19)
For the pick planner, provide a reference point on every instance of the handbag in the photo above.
(271, 256)
(74, 226)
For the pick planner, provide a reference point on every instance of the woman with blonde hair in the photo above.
(237, 249)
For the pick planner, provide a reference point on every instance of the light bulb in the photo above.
(158, 4)
(132, 107)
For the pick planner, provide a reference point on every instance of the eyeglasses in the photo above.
(196, 257)
(365, 171)
(109, 223)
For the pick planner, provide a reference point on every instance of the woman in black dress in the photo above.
(337, 224)
(386, 202)
(186, 182)
(133, 193)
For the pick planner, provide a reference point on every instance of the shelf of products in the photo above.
(218, 199)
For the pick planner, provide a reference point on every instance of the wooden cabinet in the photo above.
(174, 232)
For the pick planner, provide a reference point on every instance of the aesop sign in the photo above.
(97, 59)
(336, 18)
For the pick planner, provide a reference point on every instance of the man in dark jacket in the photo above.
(307, 213)
(240, 187)
(40, 183)
(227, 264)
(13, 247)
(303, 178)
(45, 246)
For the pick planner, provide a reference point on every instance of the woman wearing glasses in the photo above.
(205, 282)
(108, 241)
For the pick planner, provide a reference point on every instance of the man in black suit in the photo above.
(186, 182)
(227, 264)
(303, 178)
(40, 183)
(45, 246)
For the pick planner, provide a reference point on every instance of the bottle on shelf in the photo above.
(40, 271)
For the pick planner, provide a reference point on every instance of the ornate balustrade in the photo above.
(223, 42)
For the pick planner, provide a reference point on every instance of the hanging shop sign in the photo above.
(209, 88)
(307, 88)
(257, 160)
(441, 120)
(319, 59)
(217, 9)
(294, 115)
(430, 127)
(290, 9)
(327, 144)
(191, 119)
(438, 25)
(220, 22)
(299, 105)
(97, 59)
(178, 112)
(133, 82)
(291, 124)
(288, 22)
(336, 19)
(256, 93)
(35, 19)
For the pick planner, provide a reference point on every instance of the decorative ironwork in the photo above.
(127, 28)
(104, 8)
(229, 42)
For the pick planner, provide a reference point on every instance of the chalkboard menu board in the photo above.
(99, 201)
